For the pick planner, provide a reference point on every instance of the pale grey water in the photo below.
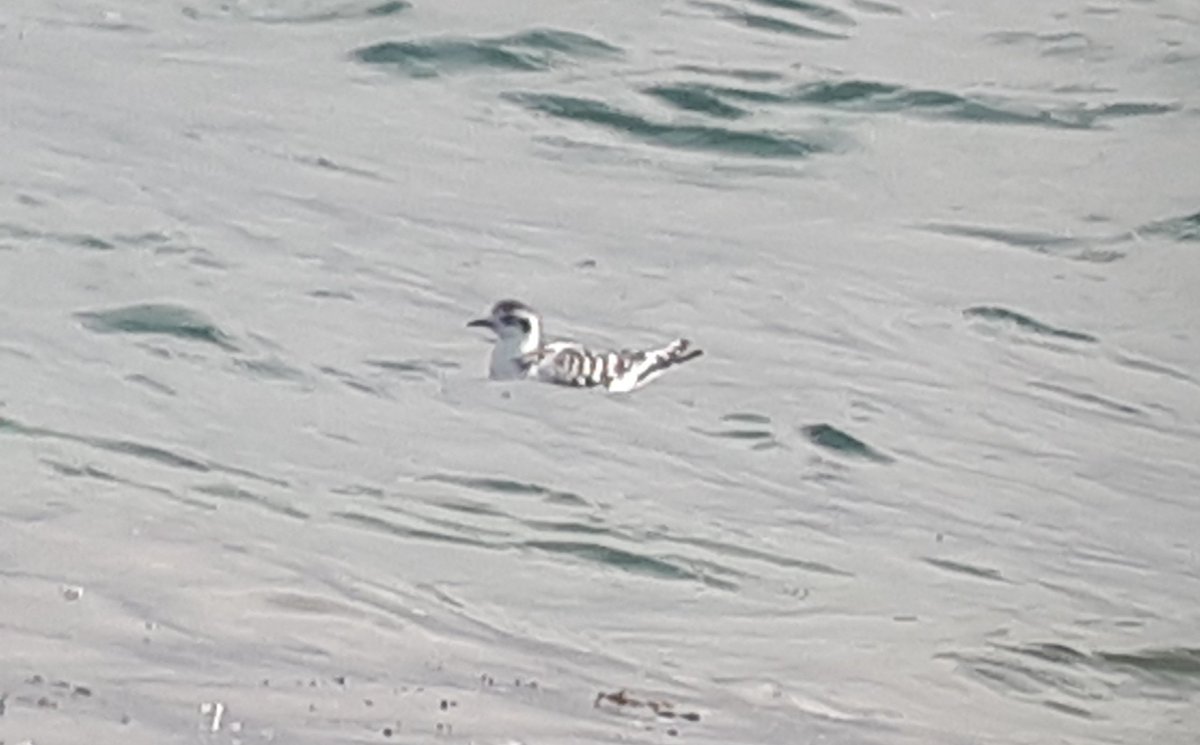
(934, 482)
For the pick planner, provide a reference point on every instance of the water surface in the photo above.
(934, 480)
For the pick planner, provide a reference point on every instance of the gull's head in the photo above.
(512, 320)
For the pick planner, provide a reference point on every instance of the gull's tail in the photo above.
(648, 365)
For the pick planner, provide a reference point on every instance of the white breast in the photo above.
(507, 360)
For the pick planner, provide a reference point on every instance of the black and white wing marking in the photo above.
(568, 363)
(644, 366)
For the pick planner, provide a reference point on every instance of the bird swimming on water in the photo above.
(521, 353)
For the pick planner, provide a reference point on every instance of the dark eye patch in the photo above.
(516, 321)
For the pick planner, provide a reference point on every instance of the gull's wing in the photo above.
(569, 363)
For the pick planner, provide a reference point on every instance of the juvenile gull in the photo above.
(520, 353)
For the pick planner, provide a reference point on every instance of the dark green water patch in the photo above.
(1027, 681)
(876, 97)
(1150, 366)
(1070, 680)
(457, 527)
(270, 368)
(78, 240)
(746, 417)
(750, 95)
(742, 552)
(92, 242)
(71, 471)
(1186, 228)
(238, 494)
(1127, 108)
(528, 51)
(748, 75)
(151, 384)
(91, 472)
(625, 561)
(772, 24)
(1000, 111)
(158, 319)
(159, 242)
(158, 455)
(762, 438)
(348, 11)
(416, 368)
(1023, 322)
(388, 527)
(1052, 44)
(1088, 398)
(689, 137)
(871, 6)
(470, 507)
(328, 164)
(739, 434)
(962, 568)
(1158, 663)
(1043, 243)
(309, 604)
(832, 438)
(814, 11)
(353, 383)
(770, 444)
(432, 58)
(324, 294)
(1017, 238)
(389, 8)
(710, 572)
(359, 490)
(1052, 652)
(570, 526)
(1170, 662)
(162, 456)
(1065, 708)
(507, 487)
(1030, 682)
(1037, 679)
(695, 98)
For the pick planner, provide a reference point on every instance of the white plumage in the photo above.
(520, 352)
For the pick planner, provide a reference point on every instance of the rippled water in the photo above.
(935, 480)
